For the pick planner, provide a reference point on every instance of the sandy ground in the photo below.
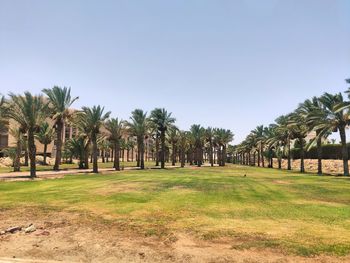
(73, 237)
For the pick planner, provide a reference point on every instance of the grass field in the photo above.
(268, 209)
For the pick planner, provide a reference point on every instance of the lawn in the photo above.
(286, 211)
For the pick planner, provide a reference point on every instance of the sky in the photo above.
(230, 64)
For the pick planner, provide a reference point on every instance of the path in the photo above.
(22, 176)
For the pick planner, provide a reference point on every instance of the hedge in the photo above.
(329, 151)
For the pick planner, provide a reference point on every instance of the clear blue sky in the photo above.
(231, 64)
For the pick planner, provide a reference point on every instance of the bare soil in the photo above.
(67, 236)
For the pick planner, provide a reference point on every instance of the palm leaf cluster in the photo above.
(45, 119)
(322, 116)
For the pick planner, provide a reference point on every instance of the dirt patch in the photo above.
(281, 182)
(118, 188)
(79, 237)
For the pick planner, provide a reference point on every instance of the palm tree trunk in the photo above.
(319, 155)
(94, 154)
(344, 150)
(173, 154)
(17, 161)
(182, 158)
(132, 154)
(116, 163)
(289, 159)
(302, 154)
(223, 155)
(157, 150)
(45, 153)
(26, 154)
(262, 155)
(86, 155)
(138, 155)
(32, 153)
(162, 154)
(56, 167)
(279, 163)
(258, 158)
(142, 159)
(211, 159)
(103, 156)
(198, 150)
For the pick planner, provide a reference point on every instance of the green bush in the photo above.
(329, 151)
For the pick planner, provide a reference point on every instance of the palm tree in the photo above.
(84, 133)
(270, 134)
(45, 136)
(76, 146)
(336, 119)
(223, 137)
(209, 136)
(315, 114)
(115, 127)
(3, 123)
(173, 137)
(260, 138)
(183, 145)
(18, 135)
(162, 120)
(197, 133)
(299, 130)
(278, 141)
(131, 143)
(94, 119)
(138, 127)
(252, 144)
(60, 101)
(29, 112)
(284, 130)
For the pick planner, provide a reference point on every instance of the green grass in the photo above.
(300, 214)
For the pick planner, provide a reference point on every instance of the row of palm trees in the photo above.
(98, 132)
(322, 115)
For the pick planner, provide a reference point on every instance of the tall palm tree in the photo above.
(336, 119)
(284, 130)
(260, 138)
(84, 134)
(115, 127)
(138, 127)
(223, 137)
(94, 119)
(251, 142)
(315, 114)
(270, 133)
(3, 123)
(60, 100)
(29, 112)
(45, 136)
(162, 120)
(183, 145)
(209, 136)
(299, 130)
(197, 133)
(173, 138)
